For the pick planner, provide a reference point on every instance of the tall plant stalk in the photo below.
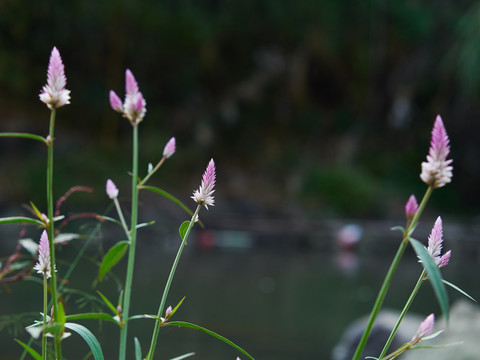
(131, 249)
(402, 314)
(161, 307)
(51, 226)
(388, 278)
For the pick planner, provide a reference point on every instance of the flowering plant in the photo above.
(55, 95)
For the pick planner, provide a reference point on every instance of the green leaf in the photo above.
(176, 308)
(453, 286)
(108, 303)
(89, 338)
(183, 229)
(433, 274)
(211, 333)
(138, 349)
(20, 219)
(112, 257)
(32, 352)
(25, 136)
(91, 316)
(61, 314)
(398, 228)
(66, 237)
(169, 197)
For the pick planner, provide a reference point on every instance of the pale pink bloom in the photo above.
(111, 189)
(436, 171)
(43, 264)
(411, 207)
(435, 243)
(425, 328)
(169, 149)
(115, 102)
(204, 194)
(54, 93)
(134, 106)
(168, 311)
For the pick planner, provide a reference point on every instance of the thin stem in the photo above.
(388, 278)
(167, 285)
(131, 250)
(45, 302)
(402, 314)
(152, 172)
(122, 219)
(51, 225)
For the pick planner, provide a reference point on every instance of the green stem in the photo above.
(51, 225)
(167, 285)
(145, 179)
(388, 278)
(402, 314)
(122, 219)
(131, 250)
(45, 302)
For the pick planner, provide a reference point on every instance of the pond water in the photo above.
(279, 295)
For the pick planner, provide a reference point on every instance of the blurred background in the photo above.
(318, 115)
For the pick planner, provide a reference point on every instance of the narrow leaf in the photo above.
(176, 308)
(183, 229)
(398, 228)
(434, 276)
(66, 237)
(108, 303)
(138, 349)
(112, 257)
(458, 289)
(20, 219)
(29, 245)
(91, 316)
(169, 197)
(89, 338)
(25, 136)
(211, 333)
(183, 356)
(32, 352)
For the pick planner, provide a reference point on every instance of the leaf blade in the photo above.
(112, 257)
(433, 274)
(209, 332)
(89, 338)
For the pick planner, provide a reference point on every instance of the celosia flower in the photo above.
(425, 328)
(168, 312)
(134, 107)
(436, 171)
(411, 207)
(43, 264)
(435, 241)
(111, 189)
(204, 194)
(169, 149)
(54, 93)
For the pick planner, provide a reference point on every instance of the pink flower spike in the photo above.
(436, 171)
(411, 207)
(131, 86)
(169, 149)
(445, 259)
(54, 93)
(115, 102)
(435, 239)
(168, 311)
(43, 264)
(204, 194)
(425, 328)
(111, 189)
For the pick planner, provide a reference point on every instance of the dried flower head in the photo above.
(43, 264)
(54, 93)
(111, 189)
(169, 149)
(425, 328)
(411, 207)
(204, 195)
(435, 243)
(436, 171)
(134, 107)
